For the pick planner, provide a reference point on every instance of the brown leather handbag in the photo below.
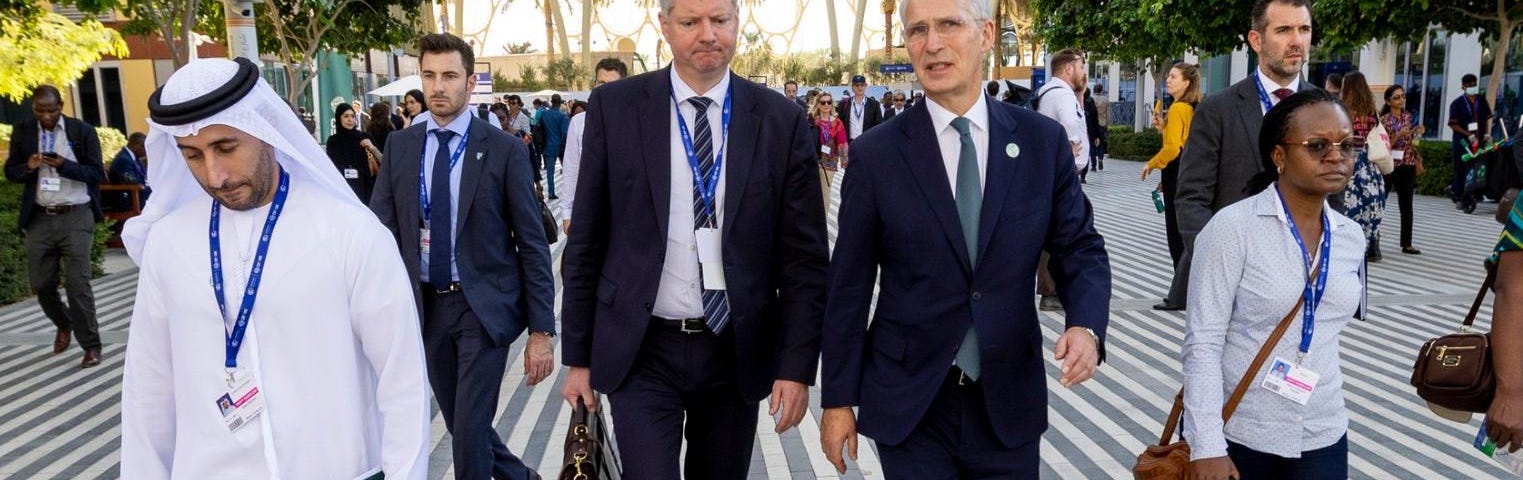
(1170, 460)
(590, 455)
(1454, 372)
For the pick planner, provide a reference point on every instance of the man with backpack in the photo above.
(1059, 100)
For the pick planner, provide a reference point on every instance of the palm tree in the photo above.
(552, 11)
(889, 6)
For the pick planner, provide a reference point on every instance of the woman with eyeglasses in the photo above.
(1365, 198)
(831, 147)
(1255, 260)
(1404, 131)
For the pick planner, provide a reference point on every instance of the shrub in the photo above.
(1128, 145)
(1438, 170)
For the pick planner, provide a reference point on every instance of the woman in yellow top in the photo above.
(1184, 85)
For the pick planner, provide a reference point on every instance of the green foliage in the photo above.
(1437, 166)
(528, 79)
(47, 48)
(566, 74)
(1128, 145)
(500, 83)
(13, 282)
(518, 48)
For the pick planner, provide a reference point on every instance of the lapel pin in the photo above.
(1012, 150)
(478, 155)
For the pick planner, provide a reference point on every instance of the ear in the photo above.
(1278, 156)
(1255, 40)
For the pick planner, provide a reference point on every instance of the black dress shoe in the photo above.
(61, 341)
(1411, 251)
(92, 358)
(1168, 307)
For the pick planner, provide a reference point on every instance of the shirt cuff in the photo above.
(1208, 448)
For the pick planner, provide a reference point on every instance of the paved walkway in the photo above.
(58, 421)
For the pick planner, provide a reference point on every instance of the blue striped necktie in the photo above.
(716, 306)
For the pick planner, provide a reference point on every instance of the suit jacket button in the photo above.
(647, 308)
(977, 296)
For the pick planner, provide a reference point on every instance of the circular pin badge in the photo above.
(1012, 150)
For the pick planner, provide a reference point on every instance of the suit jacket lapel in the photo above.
(411, 163)
(999, 175)
(922, 153)
(1251, 111)
(655, 126)
(739, 151)
(471, 166)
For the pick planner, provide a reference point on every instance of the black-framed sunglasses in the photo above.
(1349, 147)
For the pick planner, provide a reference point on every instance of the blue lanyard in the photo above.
(48, 137)
(707, 186)
(1263, 95)
(454, 159)
(1312, 294)
(1470, 107)
(235, 337)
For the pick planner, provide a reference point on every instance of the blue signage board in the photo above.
(896, 68)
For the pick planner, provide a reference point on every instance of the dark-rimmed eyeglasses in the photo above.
(1349, 147)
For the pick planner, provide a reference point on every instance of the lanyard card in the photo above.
(1291, 381)
(1473, 127)
(351, 173)
(50, 184)
(423, 241)
(710, 258)
(242, 404)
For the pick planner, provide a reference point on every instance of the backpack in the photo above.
(1034, 102)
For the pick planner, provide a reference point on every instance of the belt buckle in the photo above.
(452, 287)
(962, 378)
(684, 327)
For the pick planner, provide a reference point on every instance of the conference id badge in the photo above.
(1291, 381)
(1473, 126)
(50, 184)
(1398, 154)
(242, 404)
(423, 241)
(710, 258)
(351, 174)
(824, 149)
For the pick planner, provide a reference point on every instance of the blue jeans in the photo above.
(1330, 463)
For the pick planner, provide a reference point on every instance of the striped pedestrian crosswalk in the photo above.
(58, 421)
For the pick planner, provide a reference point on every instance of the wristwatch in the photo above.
(552, 334)
(1092, 335)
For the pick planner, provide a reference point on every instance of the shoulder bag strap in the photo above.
(1480, 297)
(1253, 369)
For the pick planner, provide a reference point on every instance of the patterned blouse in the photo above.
(1363, 125)
(1512, 235)
(1397, 122)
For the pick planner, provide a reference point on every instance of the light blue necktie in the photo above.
(970, 200)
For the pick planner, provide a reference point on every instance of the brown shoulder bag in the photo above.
(590, 453)
(1170, 460)
(1454, 372)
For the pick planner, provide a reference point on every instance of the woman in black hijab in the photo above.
(356, 158)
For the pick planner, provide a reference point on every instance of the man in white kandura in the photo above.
(275, 333)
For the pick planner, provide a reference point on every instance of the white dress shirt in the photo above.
(70, 192)
(951, 142)
(470, 110)
(1248, 273)
(680, 294)
(858, 116)
(1061, 103)
(459, 125)
(571, 163)
(1270, 86)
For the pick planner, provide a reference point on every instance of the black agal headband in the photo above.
(209, 104)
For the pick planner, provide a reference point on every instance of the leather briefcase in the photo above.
(1170, 460)
(1453, 373)
(590, 453)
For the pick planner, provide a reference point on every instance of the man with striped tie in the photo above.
(694, 276)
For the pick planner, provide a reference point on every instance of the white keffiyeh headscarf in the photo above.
(261, 113)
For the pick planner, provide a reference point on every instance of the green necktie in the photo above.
(970, 200)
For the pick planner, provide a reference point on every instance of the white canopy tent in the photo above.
(399, 87)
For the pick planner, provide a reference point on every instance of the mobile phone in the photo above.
(50, 154)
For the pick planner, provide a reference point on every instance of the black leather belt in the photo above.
(58, 210)
(451, 287)
(686, 325)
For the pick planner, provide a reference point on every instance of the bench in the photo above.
(134, 193)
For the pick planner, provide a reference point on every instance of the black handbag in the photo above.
(546, 217)
(590, 453)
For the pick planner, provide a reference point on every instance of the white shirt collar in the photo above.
(682, 91)
(1270, 85)
(459, 125)
(941, 118)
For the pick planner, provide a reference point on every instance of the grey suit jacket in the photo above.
(1221, 155)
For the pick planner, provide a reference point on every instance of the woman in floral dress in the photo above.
(1365, 197)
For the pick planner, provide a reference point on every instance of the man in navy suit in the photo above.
(129, 168)
(949, 205)
(686, 301)
(471, 235)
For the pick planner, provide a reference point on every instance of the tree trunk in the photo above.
(560, 33)
(856, 34)
(1498, 62)
(888, 35)
(999, 49)
(549, 30)
(835, 39)
(587, 7)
